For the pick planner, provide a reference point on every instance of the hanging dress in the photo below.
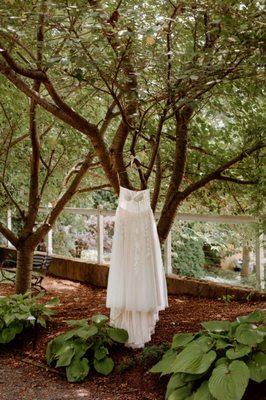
(136, 289)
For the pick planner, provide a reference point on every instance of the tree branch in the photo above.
(9, 235)
(216, 174)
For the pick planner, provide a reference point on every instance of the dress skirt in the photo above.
(136, 289)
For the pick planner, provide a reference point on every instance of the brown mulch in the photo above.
(22, 379)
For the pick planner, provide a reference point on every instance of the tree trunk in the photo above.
(246, 259)
(168, 216)
(24, 268)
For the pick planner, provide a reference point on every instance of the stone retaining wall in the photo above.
(95, 274)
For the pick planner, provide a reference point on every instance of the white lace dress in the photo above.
(136, 289)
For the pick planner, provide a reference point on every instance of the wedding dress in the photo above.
(136, 289)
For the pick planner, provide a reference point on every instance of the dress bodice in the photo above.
(134, 201)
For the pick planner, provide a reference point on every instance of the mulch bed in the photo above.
(22, 379)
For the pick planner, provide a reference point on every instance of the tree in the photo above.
(147, 68)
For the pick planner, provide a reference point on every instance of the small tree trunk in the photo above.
(24, 269)
(246, 259)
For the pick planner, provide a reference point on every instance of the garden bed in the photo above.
(22, 375)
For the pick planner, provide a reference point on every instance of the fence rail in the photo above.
(100, 213)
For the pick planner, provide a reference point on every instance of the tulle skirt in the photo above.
(136, 285)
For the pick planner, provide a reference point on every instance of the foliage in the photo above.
(217, 362)
(227, 298)
(152, 354)
(18, 312)
(188, 254)
(84, 347)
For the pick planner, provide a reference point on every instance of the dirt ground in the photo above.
(23, 375)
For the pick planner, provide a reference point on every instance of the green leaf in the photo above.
(258, 316)
(182, 339)
(222, 360)
(77, 370)
(117, 334)
(175, 382)
(257, 367)
(248, 334)
(77, 322)
(221, 344)
(8, 334)
(101, 353)
(238, 351)
(42, 322)
(229, 382)
(216, 326)
(202, 393)
(194, 359)
(181, 393)
(100, 319)
(86, 331)
(104, 366)
(166, 364)
(65, 355)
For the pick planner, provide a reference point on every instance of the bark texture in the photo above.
(24, 269)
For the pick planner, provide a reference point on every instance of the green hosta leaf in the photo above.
(182, 339)
(229, 382)
(258, 316)
(7, 334)
(221, 344)
(216, 326)
(257, 367)
(222, 360)
(86, 331)
(99, 319)
(117, 334)
(101, 353)
(240, 350)
(175, 382)
(78, 322)
(262, 345)
(181, 393)
(202, 393)
(166, 364)
(248, 334)
(80, 347)
(77, 370)
(42, 322)
(205, 342)
(194, 359)
(104, 366)
(65, 355)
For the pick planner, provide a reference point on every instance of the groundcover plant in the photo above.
(85, 347)
(18, 312)
(217, 362)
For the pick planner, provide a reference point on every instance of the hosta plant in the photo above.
(85, 347)
(18, 312)
(218, 362)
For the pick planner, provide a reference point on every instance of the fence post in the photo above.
(259, 262)
(50, 236)
(168, 254)
(100, 232)
(9, 225)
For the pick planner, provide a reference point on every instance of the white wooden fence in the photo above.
(100, 213)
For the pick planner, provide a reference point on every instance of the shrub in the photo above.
(18, 312)
(188, 257)
(217, 362)
(84, 347)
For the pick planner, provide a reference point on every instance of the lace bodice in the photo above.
(132, 200)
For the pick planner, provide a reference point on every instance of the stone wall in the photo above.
(95, 274)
